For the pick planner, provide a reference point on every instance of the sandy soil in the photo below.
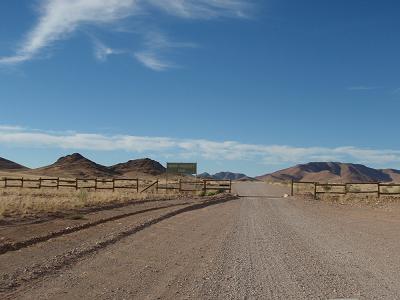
(249, 248)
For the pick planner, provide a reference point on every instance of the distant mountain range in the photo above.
(78, 166)
(333, 172)
(226, 176)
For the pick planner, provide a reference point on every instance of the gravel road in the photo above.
(249, 248)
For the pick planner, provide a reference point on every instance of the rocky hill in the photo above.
(75, 166)
(226, 176)
(144, 165)
(333, 172)
(8, 165)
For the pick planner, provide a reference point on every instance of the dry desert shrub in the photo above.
(371, 199)
(20, 202)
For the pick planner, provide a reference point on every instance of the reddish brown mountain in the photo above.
(75, 165)
(78, 166)
(394, 174)
(333, 172)
(144, 165)
(226, 176)
(8, 165)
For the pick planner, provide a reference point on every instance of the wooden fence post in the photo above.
(40, 183)
(58, 183)
(113, 183)
(379, 189)
(5, 182)
(205, 186)
(230, 186)
(180, 184)
(137, 185)
(22, 182)
(157, 187)
(95, 184)
(315, 190)
(291, 187)
(166, 182)
(76, 184)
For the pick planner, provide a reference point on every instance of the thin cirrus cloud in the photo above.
(102, 52)
(14, 136)
(155, 44)
(152, 61)
(364, 88)
(151, 56)
(58, 19)
(396, 91)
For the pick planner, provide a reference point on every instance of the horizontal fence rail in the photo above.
(117, 183)
(316, 188)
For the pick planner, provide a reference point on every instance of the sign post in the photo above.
(180, 169)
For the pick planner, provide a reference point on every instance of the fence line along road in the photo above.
(115, 183)
(348, 188)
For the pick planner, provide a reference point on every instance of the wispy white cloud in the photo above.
(11, 128)
(102, 52)
(58, 19)
(204, 9)
(396, 91)
(155, 44)
(363, 88)
(13, 60)
(158, 40)
(193, 148)
(150, 60)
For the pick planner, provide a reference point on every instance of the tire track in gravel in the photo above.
(7, 247)
(309, 266)
(268, 257)
(250, 266)
(273, 281)
(253, 248)
(37, 219)
(336, 276)
(165, 261)
(10, 282)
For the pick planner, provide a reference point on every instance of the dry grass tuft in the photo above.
(25, 202)
(358, 199)
(353, 197)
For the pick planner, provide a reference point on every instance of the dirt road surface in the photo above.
(249, 248)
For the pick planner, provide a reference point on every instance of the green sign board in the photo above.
(182, 168)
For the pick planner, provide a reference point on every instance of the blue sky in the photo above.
(249, 86)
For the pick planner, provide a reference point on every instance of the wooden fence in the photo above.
(116, 183)
(199, 185)
(378, 188)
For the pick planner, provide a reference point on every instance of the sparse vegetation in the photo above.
(24, 202)
(361, 199)
(355, 189)
(356, 193)
(28, 202)
(83, 196)
(327, 188)
(213, 193)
